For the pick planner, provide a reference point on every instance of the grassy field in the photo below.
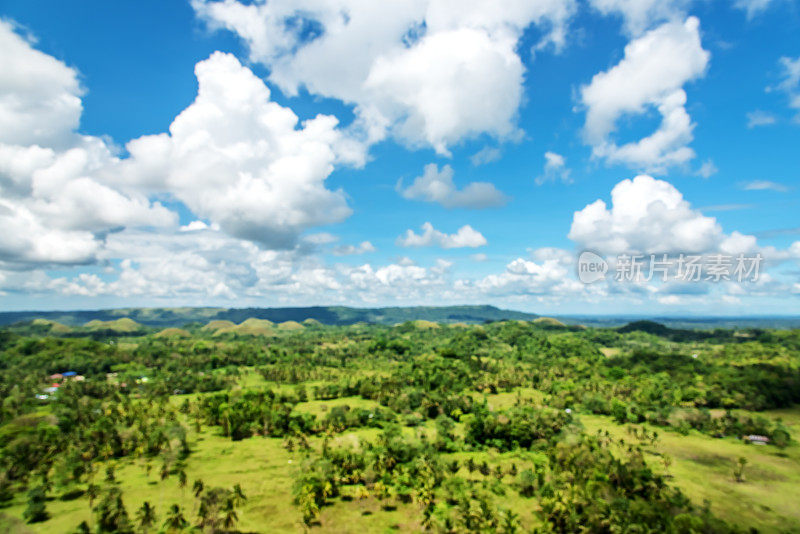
(701, 466)
(262, 466)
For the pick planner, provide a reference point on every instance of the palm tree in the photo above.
(510, 522)
(175, 519)
(425, 497)
(203, 514)
(308, 505)
(198, 487)
(239, 497)
(89, 467)
(667, 460)
(738, 471)
(47, 484)
(230, 518)
(92, 492)
(164, 471)
(146, 516)
(182, 479)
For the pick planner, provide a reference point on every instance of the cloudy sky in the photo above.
(302, 152)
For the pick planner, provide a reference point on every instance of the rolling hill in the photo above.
(220, 317)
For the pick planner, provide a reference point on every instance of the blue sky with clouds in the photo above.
(429, 152)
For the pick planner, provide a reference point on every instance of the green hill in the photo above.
(213, 326)
(548, 321)
(119, 326)
(248, 327)
(290, 325)
(223, 318)
(215, 318)
(660, 330)
(425, 325)
(173, 332)
(51, 327)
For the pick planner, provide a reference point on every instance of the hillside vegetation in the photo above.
(510, 426)
(330, 315)
(117, 326)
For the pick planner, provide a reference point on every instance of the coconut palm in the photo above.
(146, 516)
(92, 492)
(197, 487)
(230, 517)
(164, 473)
(738, 471)
(239, 497)
(175, 519)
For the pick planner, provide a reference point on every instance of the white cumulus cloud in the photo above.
(641, 15)
(651, 75)
(466, 236)
(240, 162)
(650, 216)
(437, 186)
(60, 196)
(40, 97)
(429, 72)
(244, 162)
(549, 277)
(647, 216)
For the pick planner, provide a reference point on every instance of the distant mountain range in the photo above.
(332, 315)
(677, 322)
(342, 315)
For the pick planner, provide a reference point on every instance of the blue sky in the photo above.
(121, 185)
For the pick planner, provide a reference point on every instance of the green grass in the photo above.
(263, 467)
(702, 467)
(507, 399)
(252, 379)
(320, 408)
(260, 465)
(525, 508)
